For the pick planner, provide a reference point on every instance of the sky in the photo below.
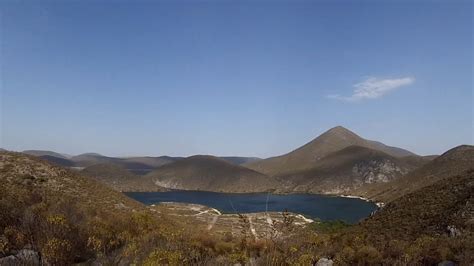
(244, 78)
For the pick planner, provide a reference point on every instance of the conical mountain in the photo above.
(306, 156)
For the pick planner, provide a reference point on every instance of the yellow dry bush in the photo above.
(239, 257)
(163, 257)
(57, 251)
(58, 220)
(3, 246)
(103, 236)
(346, 256)
(368, 255)
(305, 259)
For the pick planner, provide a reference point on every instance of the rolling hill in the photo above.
(452, 162)
(209, 173)
(119, 178)
(349, 168)
(308, 155)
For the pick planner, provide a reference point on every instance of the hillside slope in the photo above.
(306, 156)
(452, 162)
(53, 216)
(349, 168)
(429, 226)
(210, 173)
(427, 211)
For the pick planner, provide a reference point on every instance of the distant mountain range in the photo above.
(434, 213)
(336, 162)
(135, 164)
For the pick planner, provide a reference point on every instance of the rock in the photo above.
(23, 257)
(28, 256)
(9, 260)
(324, 262)
(453, 231)
(446, 263)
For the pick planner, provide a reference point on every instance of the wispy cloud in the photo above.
(373, 88)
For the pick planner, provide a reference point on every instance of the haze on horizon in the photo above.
(239, 78)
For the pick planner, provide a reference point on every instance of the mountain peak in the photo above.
(339, 130)
(305, 157)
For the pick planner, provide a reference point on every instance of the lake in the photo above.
(314, 206)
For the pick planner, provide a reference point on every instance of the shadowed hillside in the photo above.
(58, 161)
(43, 153)
(452, 162)
(240, 160)
(307, 156)
(211, 174)
(138, 165)
(119, 178)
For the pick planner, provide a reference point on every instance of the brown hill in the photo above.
(308, 155)
(209, 173)
(349, 168)
(53, 216)
(21, 170)
(452, 162)
(119, 178)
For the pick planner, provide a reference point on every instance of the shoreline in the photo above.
(378, 204)
(199, 208)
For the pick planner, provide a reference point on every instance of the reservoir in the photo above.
(314, 206)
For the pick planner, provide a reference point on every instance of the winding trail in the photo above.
(252, 229)
(212, 223)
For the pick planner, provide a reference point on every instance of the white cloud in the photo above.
(373, 88)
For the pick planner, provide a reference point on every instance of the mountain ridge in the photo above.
(304, 157)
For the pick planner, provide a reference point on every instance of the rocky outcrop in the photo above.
(23, 257)
(375, 171)
(324, 262)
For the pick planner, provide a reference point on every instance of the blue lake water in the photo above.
(322, 207)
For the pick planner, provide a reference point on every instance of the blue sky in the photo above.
(251, 78)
